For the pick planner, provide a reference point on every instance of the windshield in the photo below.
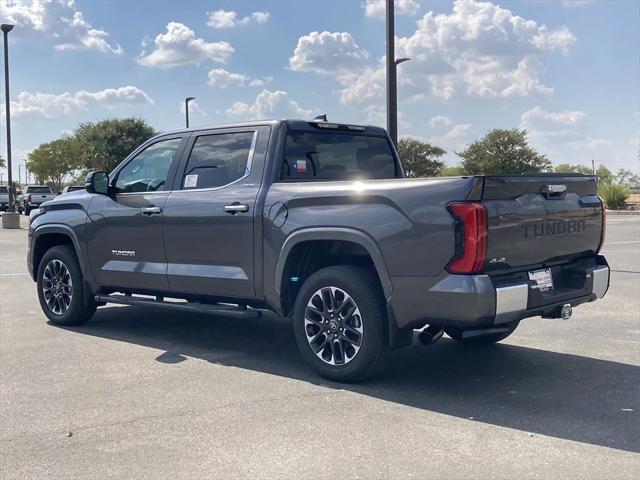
(39, 189)
(311, 156)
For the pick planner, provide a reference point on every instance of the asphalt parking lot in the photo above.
(153, 394)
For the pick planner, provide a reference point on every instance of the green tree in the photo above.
(628, 178)
(452, 172)
(567, 168)
(51, 162)
(604, 174)
(107, 142)
(503, 152)
(420, 159)
(2, 162)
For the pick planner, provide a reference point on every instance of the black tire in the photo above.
(456, 334)
(373, 350)
(27, 210)
(81, 306)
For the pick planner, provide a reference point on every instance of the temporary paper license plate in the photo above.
(543, 279)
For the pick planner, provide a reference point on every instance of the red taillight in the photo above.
(603, 230)
(474, 237)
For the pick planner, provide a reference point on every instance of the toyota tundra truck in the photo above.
(316, 222)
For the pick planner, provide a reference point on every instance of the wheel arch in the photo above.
(48, 236)
(357, 243)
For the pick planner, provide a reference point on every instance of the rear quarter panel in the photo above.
(406, 218)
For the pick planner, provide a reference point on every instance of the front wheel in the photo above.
(61, 288)
(479, 340)
(340, 324)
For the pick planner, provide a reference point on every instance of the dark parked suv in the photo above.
(314, 221)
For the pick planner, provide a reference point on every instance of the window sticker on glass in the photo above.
(190, 181)
(301, 166)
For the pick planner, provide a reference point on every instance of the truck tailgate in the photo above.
(540, 219)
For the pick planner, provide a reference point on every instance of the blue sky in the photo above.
(567, 71)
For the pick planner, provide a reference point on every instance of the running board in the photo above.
(226, 310)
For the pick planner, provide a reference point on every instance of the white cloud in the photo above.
(477, 50)
(179, 46)
(440, 121)
(50, 105)
(538, 119)
(229, 19)
(564, 137)
(453, 137)
(575, 3)
(363, 88)
(194, 109)
(327, 52)
(58, 21)
(221, 78)
(269, 104)
(377, 8)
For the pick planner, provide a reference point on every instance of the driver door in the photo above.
(124, 233)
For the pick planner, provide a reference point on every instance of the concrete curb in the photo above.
(623, 212)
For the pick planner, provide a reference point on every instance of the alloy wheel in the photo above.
(333, 326)
(57, 287)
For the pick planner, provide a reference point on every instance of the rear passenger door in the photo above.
(209, 216)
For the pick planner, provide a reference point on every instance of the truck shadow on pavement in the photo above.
(555, 394)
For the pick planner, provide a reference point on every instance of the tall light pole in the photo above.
(186, 109)
(392, 77)
(6, 28)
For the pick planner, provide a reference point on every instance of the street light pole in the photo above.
(186, 109)
(6, 28)
(392, 83)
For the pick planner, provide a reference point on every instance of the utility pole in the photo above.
(6, 28)
(593, 167)
(186, 109)
(392, 75)
(392, 82)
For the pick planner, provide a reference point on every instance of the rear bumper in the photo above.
(482, 301)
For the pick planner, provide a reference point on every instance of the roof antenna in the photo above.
(321, 118)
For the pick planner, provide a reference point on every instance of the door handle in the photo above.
(151, 210)
(236, 208)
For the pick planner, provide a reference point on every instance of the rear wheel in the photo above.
(61, 288)
(27, 210)
(340, 324)
(478, 340)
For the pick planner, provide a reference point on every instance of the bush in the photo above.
(614, 195)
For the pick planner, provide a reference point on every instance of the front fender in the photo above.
(55, 228)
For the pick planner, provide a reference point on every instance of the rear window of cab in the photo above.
(320, 156)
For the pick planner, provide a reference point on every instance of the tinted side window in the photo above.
(147, 171)
(218, 160)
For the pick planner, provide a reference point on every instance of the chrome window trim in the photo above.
(252, 151)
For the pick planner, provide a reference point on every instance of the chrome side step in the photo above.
(226, 310)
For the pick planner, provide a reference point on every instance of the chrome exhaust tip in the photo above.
(430, 335)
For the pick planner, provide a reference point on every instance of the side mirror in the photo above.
(97, 182)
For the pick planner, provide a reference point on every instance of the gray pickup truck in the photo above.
(315, 222)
